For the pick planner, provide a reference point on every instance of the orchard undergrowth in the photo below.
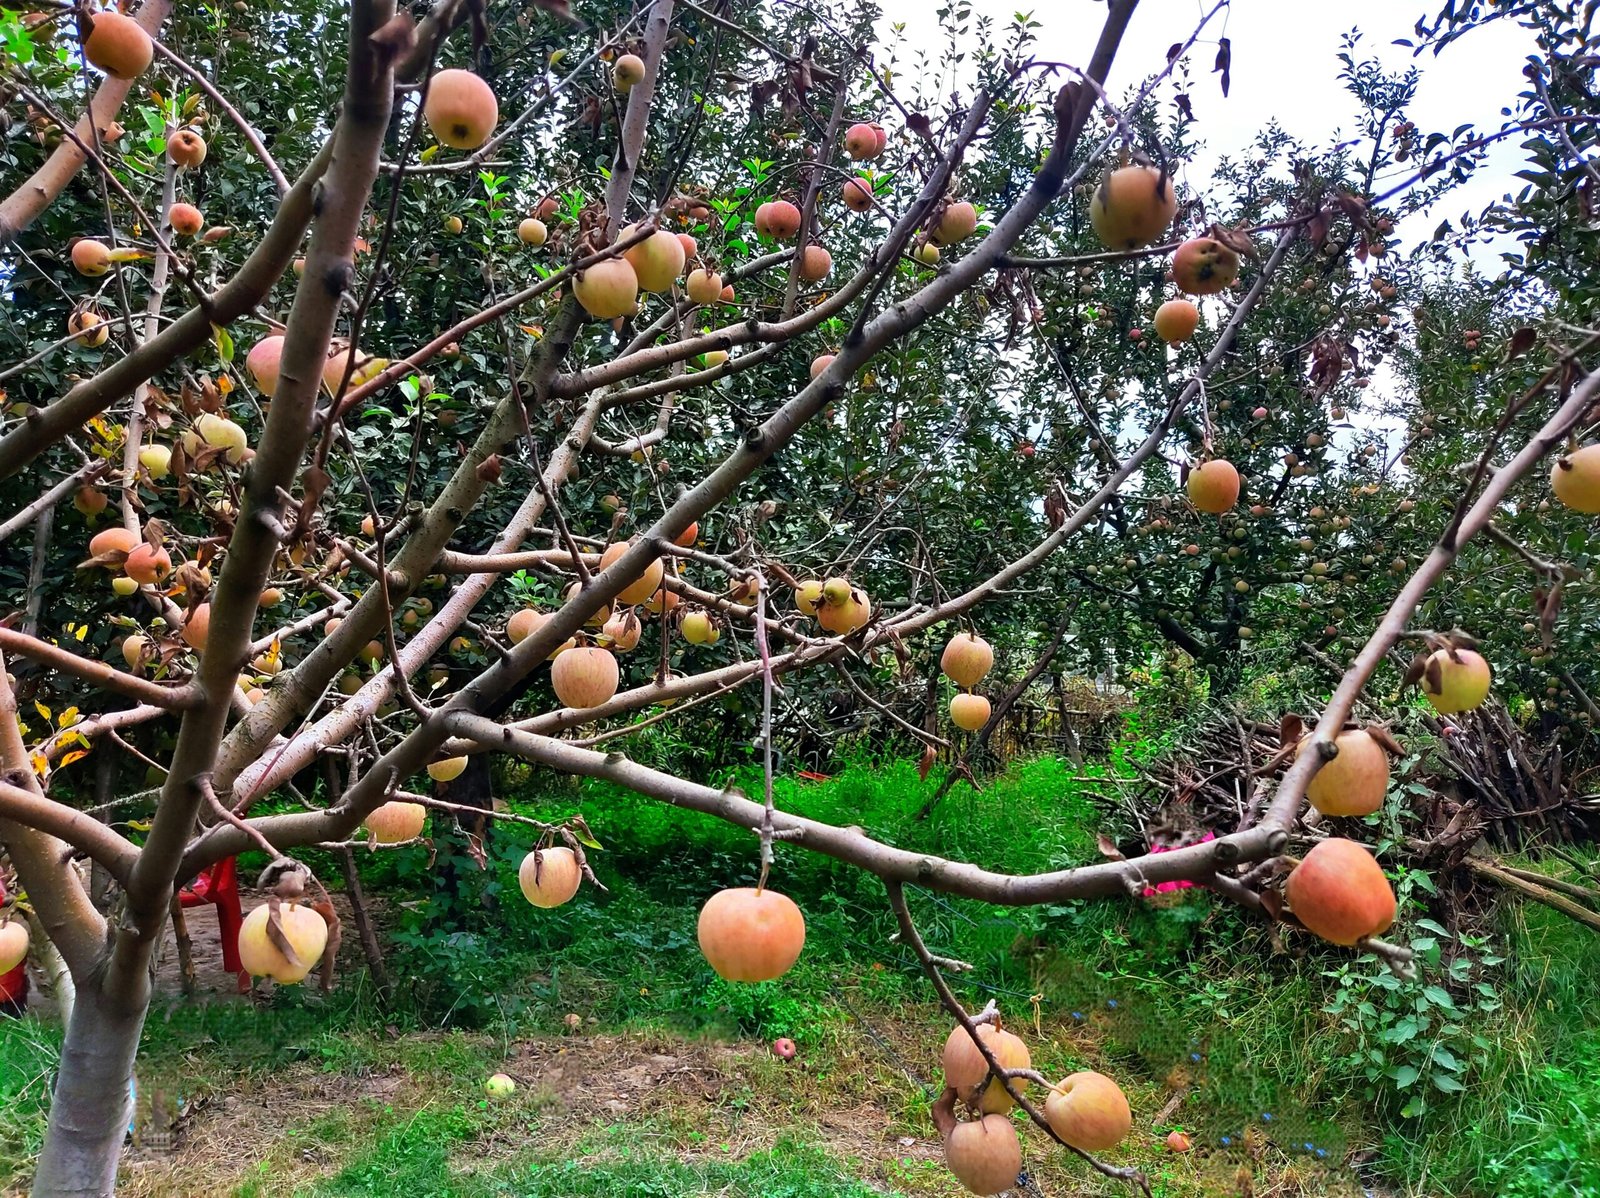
(1298, 1056)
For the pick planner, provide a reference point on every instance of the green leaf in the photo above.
(1448, 1084)
(1439, 996)
(1405, 1075)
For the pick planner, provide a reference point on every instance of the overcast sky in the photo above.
(1284, 66)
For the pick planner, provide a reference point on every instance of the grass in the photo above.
(1531, 1126)
(667, 1087)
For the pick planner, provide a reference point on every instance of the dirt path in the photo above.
(695, 1095)
(206, 949)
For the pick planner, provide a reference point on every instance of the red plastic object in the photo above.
(13, 984)
(809, 776)
(219, 885)
(1182, 884)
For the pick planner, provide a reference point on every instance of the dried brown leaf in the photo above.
(1381, 734)
(1290, 729)
(330, 951)
(275, 932)
(1108, 848)
(396, 38)
(1224, 62)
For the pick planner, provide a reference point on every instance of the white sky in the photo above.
(1284, 66)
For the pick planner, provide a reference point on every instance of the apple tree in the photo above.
(385, 393)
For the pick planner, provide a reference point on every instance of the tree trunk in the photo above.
(92, 1105)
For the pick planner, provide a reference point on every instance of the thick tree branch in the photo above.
(45, 426)
(101, 674)
(23, 206)
(1463, 526)
(357, 142)
(1007, 1078)
(42, 860)
(251, 138)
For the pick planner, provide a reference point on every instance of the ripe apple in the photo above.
(627, 72)
(113, 540)
(862, 142)
(966, 659)
(641, 588)
(117, 45)
(1089, 1111)
(1132, 207)
(90, 327)
(703, 286)
(784, 1048)
(1214, 486)
(91, 257)
(815, 264)
(969, 712)
(262, 363)
(608, 289)
(147, 564)
(958, 222)
(185, 219)
(186, 149)
(532, 232)
(585, 677)
(1339, 892)
(197, 627)
(778, 219)
(1355, 781)
(858, 195)
(461, 109)
(657, 261)
(395, 821)
(984, 1154)
(549, 877)
(751, 935)
(1204, 266)
(499, 1086)
(1176, 320)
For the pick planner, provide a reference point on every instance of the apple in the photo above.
(186, 149)
(499, 1086)
(461, 109)
(157, 460)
